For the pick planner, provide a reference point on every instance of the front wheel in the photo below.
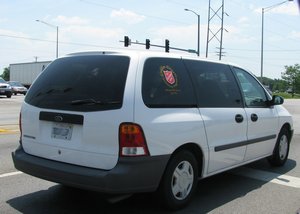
(179, 181)
(281, 150)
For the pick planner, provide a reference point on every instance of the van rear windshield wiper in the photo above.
(92, 102)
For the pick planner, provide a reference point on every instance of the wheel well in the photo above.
(287, 126)
(197, 152)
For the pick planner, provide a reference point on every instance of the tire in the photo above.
(8, 95)
(281, 150)
(179, 181)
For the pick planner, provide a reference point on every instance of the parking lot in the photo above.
(255, 188)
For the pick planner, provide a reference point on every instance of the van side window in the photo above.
(253, 92)
(166, 83)
(215, 84)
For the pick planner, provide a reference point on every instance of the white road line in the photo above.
(10, 174)
(272, 177)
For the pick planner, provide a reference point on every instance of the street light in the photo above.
(50, 25)
(198, 52)
(263, 10)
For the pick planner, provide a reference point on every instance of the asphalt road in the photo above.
(255, 188)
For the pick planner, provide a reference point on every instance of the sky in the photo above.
(85, 25)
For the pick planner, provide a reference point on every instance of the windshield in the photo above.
(2, 80)
(15, 84)
(91, 82)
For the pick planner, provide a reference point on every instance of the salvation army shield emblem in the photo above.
(169, 76)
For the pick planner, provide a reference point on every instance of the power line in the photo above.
(139, 13)
(282, 35)
(26, 38)
(238, 4)
(282, 23)
(179, 3)
(270, 50)
(51, 41)
(101, 46)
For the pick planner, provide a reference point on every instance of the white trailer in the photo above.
(26, 72)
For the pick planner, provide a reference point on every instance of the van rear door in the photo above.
(73, 110)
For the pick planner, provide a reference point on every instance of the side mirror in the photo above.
(276, 100)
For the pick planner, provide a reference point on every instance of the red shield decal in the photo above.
(169, 76)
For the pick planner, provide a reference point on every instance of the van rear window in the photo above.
(81, 83)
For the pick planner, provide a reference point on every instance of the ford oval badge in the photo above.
(58, 118)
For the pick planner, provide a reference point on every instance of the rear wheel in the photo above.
(179, 181)
(281, 150)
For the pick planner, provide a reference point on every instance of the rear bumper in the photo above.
(130, 175)
(19, 92)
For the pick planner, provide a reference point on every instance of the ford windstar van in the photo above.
(131, 122)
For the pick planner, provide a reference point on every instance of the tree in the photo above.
(279, 85)
(275, 85)
(292, 76)
(5, 74)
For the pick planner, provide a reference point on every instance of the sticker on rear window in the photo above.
(169, 76)
(170, 79)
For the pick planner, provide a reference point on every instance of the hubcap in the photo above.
(182, 180)
(283, 147)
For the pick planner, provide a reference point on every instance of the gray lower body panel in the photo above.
(130, 175)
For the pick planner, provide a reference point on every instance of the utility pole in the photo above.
(198, 37)
(53, 26)
(222, 24)
(263, 10)
(216, 15)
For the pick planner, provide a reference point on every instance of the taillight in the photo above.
(20, 126)
(132, 140)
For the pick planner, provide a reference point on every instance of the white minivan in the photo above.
(123, 122)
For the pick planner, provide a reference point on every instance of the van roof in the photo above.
(147, 53)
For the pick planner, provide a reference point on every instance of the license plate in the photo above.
(62, 131)
(2, 91)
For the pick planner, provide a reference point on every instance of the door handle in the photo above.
(239, 118)
(254, 117)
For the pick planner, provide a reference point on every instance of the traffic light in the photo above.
(167, 45)
(126, 41)
(147, 43)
